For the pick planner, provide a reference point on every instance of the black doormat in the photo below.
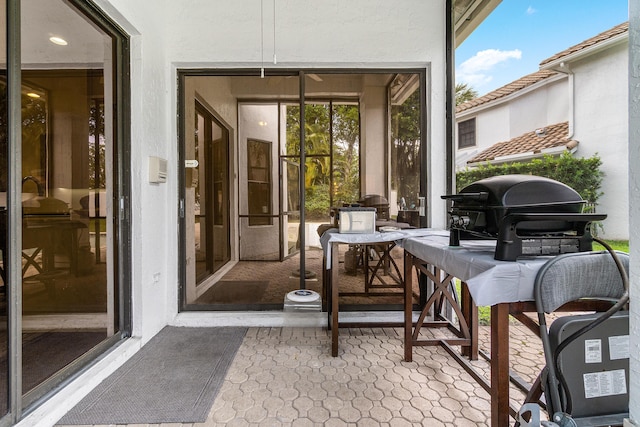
(234, 292)
(173, 379)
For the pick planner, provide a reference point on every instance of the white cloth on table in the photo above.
(332, 236)
(490, 281)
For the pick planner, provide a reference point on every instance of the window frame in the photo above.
(262, 186)
(464, 135)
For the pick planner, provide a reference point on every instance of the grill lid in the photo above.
(512, 191)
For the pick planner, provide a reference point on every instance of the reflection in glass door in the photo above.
(59, 164)
(69, 288)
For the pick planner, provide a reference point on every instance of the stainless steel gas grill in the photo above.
(527, 215)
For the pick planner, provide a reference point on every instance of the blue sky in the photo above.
(519, 34)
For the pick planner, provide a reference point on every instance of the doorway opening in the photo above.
(364, 134)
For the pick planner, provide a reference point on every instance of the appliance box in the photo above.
(357, 220)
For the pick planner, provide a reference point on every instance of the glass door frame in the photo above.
(20, 404)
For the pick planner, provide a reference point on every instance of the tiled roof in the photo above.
(531, 142)
(618, 29)
(507, 89)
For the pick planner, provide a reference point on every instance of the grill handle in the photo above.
(481, 196)
(515, 218)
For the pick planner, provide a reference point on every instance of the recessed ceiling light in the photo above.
(262, 123)
(33, 95)
(58, 40)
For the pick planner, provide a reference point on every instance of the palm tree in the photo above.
(464, 93)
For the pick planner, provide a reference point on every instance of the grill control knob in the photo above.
(459, 221)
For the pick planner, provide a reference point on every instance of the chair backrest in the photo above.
(573, 276)
(567, 278)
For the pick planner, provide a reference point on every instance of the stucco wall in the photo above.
(327, 31)
(546, 105)
(601, 126)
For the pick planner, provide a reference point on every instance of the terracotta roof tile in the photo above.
(531, 142)
(507, 89)
(618, 29)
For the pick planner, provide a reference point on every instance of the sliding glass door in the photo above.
(301, 144)
(60, 161)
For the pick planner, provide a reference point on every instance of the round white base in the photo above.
(303, 295)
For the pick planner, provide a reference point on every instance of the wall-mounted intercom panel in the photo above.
(157, 170)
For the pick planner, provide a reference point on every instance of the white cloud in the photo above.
(531, 10)
(476, 70)
(474, 81)
(487, 59)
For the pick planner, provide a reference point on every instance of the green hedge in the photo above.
(581, 174)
